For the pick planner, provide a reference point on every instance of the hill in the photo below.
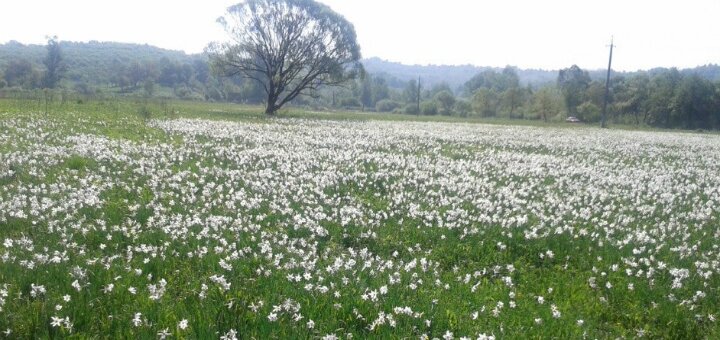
(98, 64)
(93, 62)
(454, 76)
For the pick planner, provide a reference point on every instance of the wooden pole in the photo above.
(607, 86)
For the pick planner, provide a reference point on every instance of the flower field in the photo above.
(295, 228)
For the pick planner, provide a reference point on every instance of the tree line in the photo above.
(665, 98)
(668, 98)
(117, 69)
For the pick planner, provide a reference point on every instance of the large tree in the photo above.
(289, 47)
(55, 68)
(546, 102)
(573, 82)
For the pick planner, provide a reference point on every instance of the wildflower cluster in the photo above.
(299, 228)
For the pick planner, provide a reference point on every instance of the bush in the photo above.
(3, 83)
(350, 102)
(214, 93)
(386, 105)
(463, 108)
(485, 102)
(410, 109)
(429, 107)
(446, 101)
(182, 91)
(589, 112)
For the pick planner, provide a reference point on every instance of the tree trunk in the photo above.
(270, 109)
(271, 106)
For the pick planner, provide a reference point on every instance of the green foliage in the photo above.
(411, 109)
(589, 112)
(632, 98)
(595, 93)
(573, 82)
(547, 103)
(429, 107)
(93, 64)
(485, 102)
(22, 73)
(313, 47)
(149, 87)
(668, 98)
(472, 266)
(54, 64)
(437, 88)
(490, 79)
(512, 99)
(144, 112)
(386, 105)
(350, 103)
(77, 162)
(446, 101)
(456, 76)
(696, 103)
(411, 92)
(370, 90)
(462, 107)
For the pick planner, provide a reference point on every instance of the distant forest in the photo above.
(670, 98)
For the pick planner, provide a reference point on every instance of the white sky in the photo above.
(548, 34)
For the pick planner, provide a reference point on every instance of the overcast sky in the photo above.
(547, 34)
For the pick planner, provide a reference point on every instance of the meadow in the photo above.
(197, 221)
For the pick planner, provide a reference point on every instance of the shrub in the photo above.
(410, 109)
(350, 102)
(429, 107)
(386, 105)
(446, 101)
(589, 112)
(463, 108)
(182, 91)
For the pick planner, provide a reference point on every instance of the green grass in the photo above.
(113, 107)
(116, 236)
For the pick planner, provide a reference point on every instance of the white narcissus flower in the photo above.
(183, 324)
(56, 321)
(231, 193)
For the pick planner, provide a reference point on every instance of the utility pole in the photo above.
(607, 85)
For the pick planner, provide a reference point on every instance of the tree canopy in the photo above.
(54, 65)
(289, 47)
(573, 82)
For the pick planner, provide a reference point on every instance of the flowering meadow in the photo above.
(111, 226)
